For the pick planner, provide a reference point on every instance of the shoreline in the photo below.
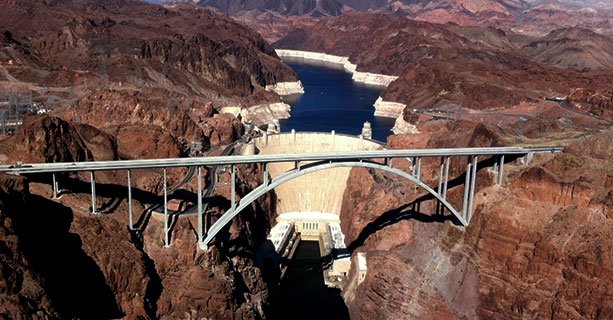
(286, 88)
(358, 76)
(386, 109)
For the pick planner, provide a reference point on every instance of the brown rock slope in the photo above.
(274, 19)
(117, 43)
(574, 48)
(78, 265)
(538, 247)
(50, 139)
(129, 67)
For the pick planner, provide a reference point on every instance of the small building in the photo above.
(285, 240)
(361, 267)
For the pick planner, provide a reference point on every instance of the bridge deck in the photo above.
(225, 160)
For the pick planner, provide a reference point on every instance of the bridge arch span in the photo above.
(310, 168)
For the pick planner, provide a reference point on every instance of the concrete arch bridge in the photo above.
(292, 167)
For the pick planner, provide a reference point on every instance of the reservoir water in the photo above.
(333, 101)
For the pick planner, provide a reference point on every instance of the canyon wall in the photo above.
(105, 269)
(538, 246)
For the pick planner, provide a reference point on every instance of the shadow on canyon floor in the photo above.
(74, 281)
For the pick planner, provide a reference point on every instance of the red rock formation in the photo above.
(276, 19)
(50, 139)
(597, 102)
(135, 44)
(574, 48)
(537, 247)
(129, 273)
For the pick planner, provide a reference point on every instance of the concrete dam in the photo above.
(308, 207)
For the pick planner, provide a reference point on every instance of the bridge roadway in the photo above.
(316, 162)
(269, 158)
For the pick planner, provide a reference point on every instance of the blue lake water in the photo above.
(333, 101)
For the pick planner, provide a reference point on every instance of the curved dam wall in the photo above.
(320, 191)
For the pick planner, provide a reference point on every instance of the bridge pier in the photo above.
(200, 211)
(500, 170)
(130, 211)
(266, 174)
(166, 227)
(233, 187)
(528, 158)
(467, 182)
(441, 179)
(93, 183)
(55, 187)
(471, 198)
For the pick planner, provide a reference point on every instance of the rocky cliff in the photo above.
(538, 245)
(106, 270)
(23, 291)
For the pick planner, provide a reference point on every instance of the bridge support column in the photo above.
(418, 176)
(93, 183)
(200, 213)
(445, 183)
(471, 198)
(130, 212)
(233, 188)
(55, 187)
(440, 184)
(389, 162)
(528, 158)
(166, 231)
(500, 170)
(266, 175)
(467, 183)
